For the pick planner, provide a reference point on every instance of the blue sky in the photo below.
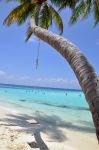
(18, 59)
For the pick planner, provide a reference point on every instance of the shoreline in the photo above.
(17, 131)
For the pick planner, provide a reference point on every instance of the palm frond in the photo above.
(36, 13)
(45, 19)
(87, 8)
(68, 3)
(96, 12)
(57, 18)
(28, 33)
(17, 13)
(57, 2)
(76, 13)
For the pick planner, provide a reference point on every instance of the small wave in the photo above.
(60, 106)
(74, 107)
(67, 107)
(23, 100)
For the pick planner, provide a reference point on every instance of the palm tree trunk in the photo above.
(82, 68)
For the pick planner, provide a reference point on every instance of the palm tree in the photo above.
(39, 23)
(81, 9)
(41, 10)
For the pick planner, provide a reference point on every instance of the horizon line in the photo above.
(35, 86)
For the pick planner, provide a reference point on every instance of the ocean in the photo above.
(61, 107)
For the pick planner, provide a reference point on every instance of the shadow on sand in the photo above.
(45, 124)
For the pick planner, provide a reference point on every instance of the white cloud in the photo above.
(23, 78)
(29, 80)
(11, 77)
(2, 73)
(59, 82)
(56, 80)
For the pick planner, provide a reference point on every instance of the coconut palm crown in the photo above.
(41, 10)
(44, 13)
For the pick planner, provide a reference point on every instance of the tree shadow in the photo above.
(47, 124)
(58, 122)
(32, 128)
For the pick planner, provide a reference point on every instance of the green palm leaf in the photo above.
(19, 14)
(45, 16)
(96, 13)
(57, 18)
(87, 8)
(68, 3)
(28, 34)
(76, 13)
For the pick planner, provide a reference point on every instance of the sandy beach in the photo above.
(22, 132)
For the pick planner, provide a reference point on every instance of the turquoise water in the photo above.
(57, 106)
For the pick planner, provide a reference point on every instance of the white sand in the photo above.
(16, 132)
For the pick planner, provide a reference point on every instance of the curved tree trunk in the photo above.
(82, 68)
